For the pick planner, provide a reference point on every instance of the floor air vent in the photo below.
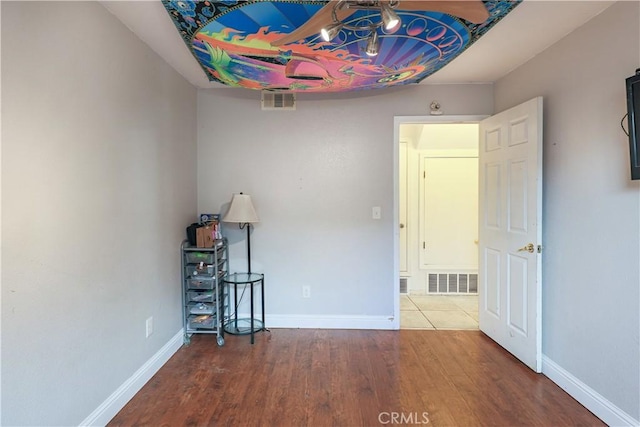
(278, 100)
(453, 283)
(403, 285)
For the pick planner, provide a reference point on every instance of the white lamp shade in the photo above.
(241, 210)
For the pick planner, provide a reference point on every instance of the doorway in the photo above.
(510, 226)
(438, 217)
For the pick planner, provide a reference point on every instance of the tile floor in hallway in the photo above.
(438, 312)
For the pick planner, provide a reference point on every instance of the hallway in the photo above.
(439, 312)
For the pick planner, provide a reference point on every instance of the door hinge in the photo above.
(539, 249)
(424, 245)
(424, 174)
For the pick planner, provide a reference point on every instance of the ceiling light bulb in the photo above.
(390, 18)
(330, 32)
(372, 44)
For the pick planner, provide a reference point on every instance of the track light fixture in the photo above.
(331, 31)
(389, 20)
(372, 43)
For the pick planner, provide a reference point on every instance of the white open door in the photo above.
(510, 231)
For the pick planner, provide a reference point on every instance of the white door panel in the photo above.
(449, 213)
(510, 189)
(517, 294)
(517, 196)
(404, 182)
(492, 191)
(490, 298)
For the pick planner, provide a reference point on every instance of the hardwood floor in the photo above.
(304, 377)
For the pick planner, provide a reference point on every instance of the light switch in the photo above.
(376, 212)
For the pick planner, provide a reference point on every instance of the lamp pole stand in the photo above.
(248, 225)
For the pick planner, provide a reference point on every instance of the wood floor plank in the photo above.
(303, 377)
(473, 373)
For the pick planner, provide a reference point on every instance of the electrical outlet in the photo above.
(306, 292)
(376, 212)
(149, 325)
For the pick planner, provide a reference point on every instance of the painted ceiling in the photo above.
(276, 45)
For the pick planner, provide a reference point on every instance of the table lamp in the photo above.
(242, 212)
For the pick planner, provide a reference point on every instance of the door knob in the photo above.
(528, 248)
(401, 225)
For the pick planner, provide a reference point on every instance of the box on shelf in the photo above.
(209, 218)
(205, 237)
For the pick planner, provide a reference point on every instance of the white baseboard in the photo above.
(114, 403)
(592, 400)
(329, 322)
(589, 398)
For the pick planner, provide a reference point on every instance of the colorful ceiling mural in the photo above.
(245, 44)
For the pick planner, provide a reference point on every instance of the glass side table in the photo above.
(234, 325)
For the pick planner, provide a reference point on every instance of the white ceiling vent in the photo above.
(278, 100)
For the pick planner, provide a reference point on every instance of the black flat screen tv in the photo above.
(633, 111)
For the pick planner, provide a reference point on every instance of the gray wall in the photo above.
(98, 183)
(315, 174)
(591, 232)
